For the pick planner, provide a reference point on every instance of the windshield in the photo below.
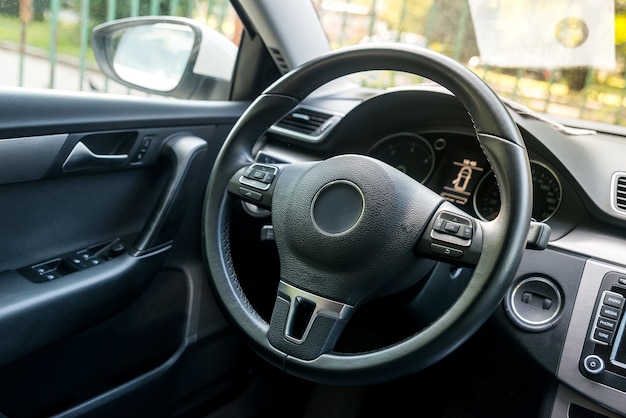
(561, 57)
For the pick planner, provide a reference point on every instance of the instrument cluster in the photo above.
(453, 165)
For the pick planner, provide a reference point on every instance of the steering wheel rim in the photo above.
(503, 242)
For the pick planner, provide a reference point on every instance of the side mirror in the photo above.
(170, 56)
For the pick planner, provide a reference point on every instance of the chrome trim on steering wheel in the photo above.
(323, 307)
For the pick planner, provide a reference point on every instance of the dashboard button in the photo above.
(593, 364)
(248, 171)
(613, 299)
(609, 312)
(447, 251)
(603, 336)
(452, 227)
(258, 175)
(269, 177)
(251, 194)
(607, 324)
(547, 303)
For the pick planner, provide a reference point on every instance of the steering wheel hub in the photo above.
(337, 208)
(341, 225)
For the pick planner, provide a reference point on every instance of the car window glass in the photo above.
(47, 44)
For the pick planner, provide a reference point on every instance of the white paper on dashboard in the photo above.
(545, 33)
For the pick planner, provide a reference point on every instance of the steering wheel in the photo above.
(349, 228)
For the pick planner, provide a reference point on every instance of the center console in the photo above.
(603, 357)
(593, 360)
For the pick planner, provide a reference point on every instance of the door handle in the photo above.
(187, 158)
(82, 157)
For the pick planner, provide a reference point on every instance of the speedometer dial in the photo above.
(408, 152)
(547, 194)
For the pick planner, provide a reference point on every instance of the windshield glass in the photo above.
(562, 57)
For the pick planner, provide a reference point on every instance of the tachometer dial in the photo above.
(547, 194)
(409, 153)
(487, 198)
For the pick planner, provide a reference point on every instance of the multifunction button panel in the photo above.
(453, 238)
(255, 183)
(606, 318)
(604, 353)
(453, 228)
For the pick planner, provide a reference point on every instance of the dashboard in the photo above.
(427, 134)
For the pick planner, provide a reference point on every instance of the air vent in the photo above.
(619, 188)
(306, 124)
(279, 60)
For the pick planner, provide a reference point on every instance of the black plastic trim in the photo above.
(185, 154)
(566, 271)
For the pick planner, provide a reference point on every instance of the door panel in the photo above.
(138, 339)
(102, 286)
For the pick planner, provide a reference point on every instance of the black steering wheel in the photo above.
(349, 228)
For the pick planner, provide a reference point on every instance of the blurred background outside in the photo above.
(46, 44)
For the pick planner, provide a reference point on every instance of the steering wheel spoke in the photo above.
(452, 236)
(255, 183)
(305, 325)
